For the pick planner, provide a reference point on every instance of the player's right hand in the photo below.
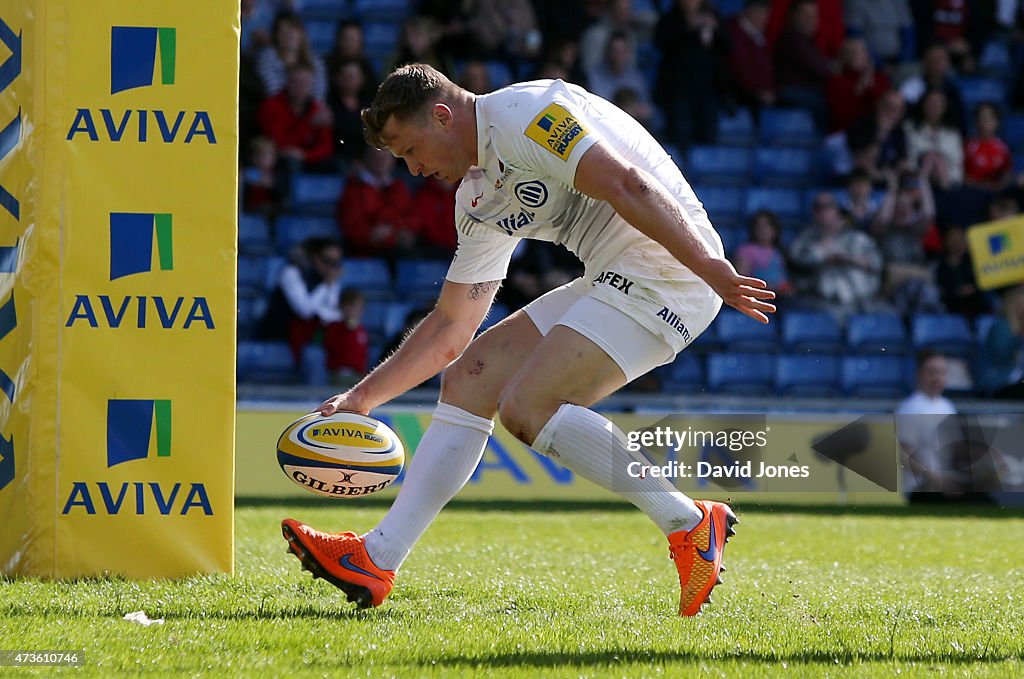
(345, 402)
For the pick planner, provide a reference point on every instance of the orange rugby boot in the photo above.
(340, 559)
(698, 554)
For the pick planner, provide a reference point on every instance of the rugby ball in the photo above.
(343, 455)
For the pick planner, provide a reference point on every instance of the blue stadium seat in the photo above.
(313, 365)
(266, 362)
(728, 8)
(787, 204)
(252, 275)
(381, 37)
(948, 333)
(874, 376)
(733, 236)
(420, 279)
(317, 193)
(326, 10)
(722, 202)
(788, 127)
(977, 90)
(707, 341)
(321, 35)
(685, 374)
(250, 311)
(719, 165)
(815, 331)
(786, 167)
(808, 375)
(876, 333)
(497, 314)
(741, 373)
(370, 276)
(995, 59)
(292, 230)
(394, 317)
(737, 129)
(499, 74)
(382, 10)
(254, 235)
(376, 317)
(738, 332)
(274, 266)
(1012, 131)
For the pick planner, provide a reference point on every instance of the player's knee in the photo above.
(522, 415)
(463, 385)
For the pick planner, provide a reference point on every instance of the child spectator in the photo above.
(348, 355)
(955, 277)
(760, 256)
(859, 202)
(264, 182)
(855, 90)
(289, 49)
(376, 212)
(988, 164)
(298, 124)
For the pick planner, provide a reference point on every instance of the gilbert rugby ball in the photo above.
(342, 455)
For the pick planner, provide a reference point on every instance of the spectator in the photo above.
(988, 164)
(760, 256)
(258, 21)
(859, 202)
(1004, 348)
(298, 124)
(955, 277)
(375, 212)
(537, 267)
(948, 22)
(854, 91)
(290, 49)
(346, 102)
(936, 74)
(1003, 207)
(879, 142)
(693, 58)
(264, 181)
(349, 356)
(841, 268)
(926, 444)
(830, 32)
(801, 69)
(475, 77)
(434, 207)
(640, 109)
(417, 43)
(565, 20)
(350, 45)
(485, 29)
(751, 65)
(306, 301)
(932, 136)
(562, 61)
(617, 71)
(618, 16)
(886, 26)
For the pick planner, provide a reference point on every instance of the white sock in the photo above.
(593, 447)
(446, 457)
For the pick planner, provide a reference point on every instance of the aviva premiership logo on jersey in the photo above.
(557, 130)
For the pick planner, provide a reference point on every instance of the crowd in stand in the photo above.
(909, 159)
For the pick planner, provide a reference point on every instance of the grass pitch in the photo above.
(577, 590)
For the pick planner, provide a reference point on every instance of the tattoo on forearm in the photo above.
(480, 289)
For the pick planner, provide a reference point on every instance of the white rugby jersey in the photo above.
(530, 139)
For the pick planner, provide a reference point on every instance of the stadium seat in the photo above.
(995, 59)
(874, 376)
(813, 331)
(382, 10)
(722, 202)
(394, 317)
(948, 333)
(497, 314)
(737, 129)
(732, 235)
(317, 193)
(420, 279)
(808, 375)
(252, 275)
(292, 230)
(728, 8)
(326, 10)
(499, 74)
(250, 311)
(313, 365)
(719, 165)
(273, 272)
(788, 127)
(321, 35)
(741, 373)
(685, 374)
(1012, 130)
(266, 362)
(787, 204)
(380, 38)
(739, 332)
(706, 342)
(786, 167)
(876, 333)
(978, 90)
(370, 276)
(254, 235)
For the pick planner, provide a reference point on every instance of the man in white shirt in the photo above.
(545, 160)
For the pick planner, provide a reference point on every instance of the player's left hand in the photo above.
(745, 293)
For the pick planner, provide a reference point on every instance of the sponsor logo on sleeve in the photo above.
(557, 130)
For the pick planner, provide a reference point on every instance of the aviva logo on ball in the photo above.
(140, 242)
(140, 56)
(138, 429)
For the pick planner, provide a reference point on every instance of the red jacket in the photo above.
(279, 121)
(830, 24)
(846, 105)
(751, 65)
(363, 206)
(435, 210)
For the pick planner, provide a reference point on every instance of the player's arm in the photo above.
(437, 341)
(643, 202)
